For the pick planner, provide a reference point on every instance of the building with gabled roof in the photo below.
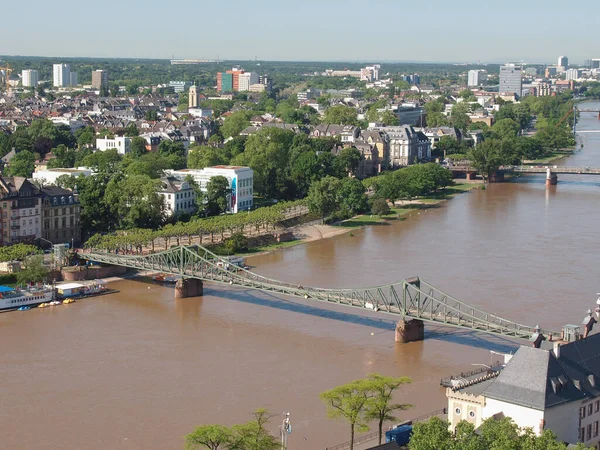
(555, 386)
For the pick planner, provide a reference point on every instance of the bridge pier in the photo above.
(410, 330)
(497, 177)
(551, 178)
(189, 287)
(471, 176)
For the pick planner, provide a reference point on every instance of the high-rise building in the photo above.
(474, 78)
(29, 78)
(193, 97)
(99, 79)
(510, 79)
(73, 79)
(229, 81)
(595, 63)
(62, 75)
(573, 74)
(563, 61)
(246, 80)
(416, 79)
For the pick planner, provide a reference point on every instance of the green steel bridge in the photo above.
(409, 298)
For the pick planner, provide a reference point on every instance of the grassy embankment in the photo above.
(399, 212)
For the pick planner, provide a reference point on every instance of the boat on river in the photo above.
(13, 298)
(83, 289)
(165, 278)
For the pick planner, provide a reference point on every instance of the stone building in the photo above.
(61, 216)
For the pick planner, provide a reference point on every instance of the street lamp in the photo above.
(286, 430)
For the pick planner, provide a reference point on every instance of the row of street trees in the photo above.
(136, 239)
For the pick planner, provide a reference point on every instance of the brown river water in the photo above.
(139, 369)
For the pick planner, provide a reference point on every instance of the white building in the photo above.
(121, 144)
(179, 196)
(475, 77)
(370, 73)
(49, 176)
(510, 80)
(241, 181)
(574, 74)
(555, 387)
(30, 78)
(247, 79)
(61, 75)
(563, 61)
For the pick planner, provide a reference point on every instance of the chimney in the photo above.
(556, 349)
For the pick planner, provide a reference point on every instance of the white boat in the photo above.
(85, 288)
(16, 297)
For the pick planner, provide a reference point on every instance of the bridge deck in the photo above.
(411, 298)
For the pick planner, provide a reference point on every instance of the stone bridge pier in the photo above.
(189, 287)
(410, 330)
(551, 178)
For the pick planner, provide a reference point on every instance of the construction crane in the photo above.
(7, 71)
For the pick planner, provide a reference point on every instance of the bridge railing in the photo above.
(408, 298)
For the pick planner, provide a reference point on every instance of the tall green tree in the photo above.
(202, 156)
(324, 196)
(486, 157)
(33, 270)
(135, 201)
(22, 164)
(235, 123)
(341, 115)
(213, 437)
(217, 190)
(350, 158)
(348, 402)
(138, 146)
(379, 407)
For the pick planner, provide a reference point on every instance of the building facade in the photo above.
(61, 213)
(475, 77)
(563, 61)
(246, 80)
(73, 79)
(573, 74)
(510, 79)
(49, 176)
(61, 75)
(29, 78)
(241, 182)
(192, 97)
(121, 143)
(406, 146)
(99, 79)
(554, 387)
(178, 195)
(21, 210)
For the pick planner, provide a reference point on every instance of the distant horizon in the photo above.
(340, 61)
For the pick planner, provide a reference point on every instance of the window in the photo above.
(471, 414)
(457, 411)
(583, 412)
(596, 428)
(589, 432)
(597, 405)
(590, 409)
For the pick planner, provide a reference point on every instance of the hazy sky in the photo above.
(375, 30)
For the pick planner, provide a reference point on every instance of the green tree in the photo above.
(341, 115)
(138, 146)
(349, 158)
(63, 157)
(213, 437)
(254, 433)
(151, 114)
(486, 157)
(380, 207)
(17, 252)
(505, 128)
(22, 164)
(33, 270)
(131, 130)
(235, 123)
(324, 196)
(166, 148)
(236, 243)
(430, 435)
(86, 137)
(217, 190)
(349, 402)
(353, 198)
(106, 161)
(202, 156)
(135, 202)
(379, 406)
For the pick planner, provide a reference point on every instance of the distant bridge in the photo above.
(410, 298)
(553, 169)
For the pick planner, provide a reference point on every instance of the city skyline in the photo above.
(448, 33)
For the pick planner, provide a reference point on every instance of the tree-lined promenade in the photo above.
(201, 231)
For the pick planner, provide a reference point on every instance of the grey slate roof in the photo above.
(534, 378)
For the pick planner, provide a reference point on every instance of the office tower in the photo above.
(29, 78)
(99, 79)
(73, 79)
(62, 75)
(510, 79)
(563, 61)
